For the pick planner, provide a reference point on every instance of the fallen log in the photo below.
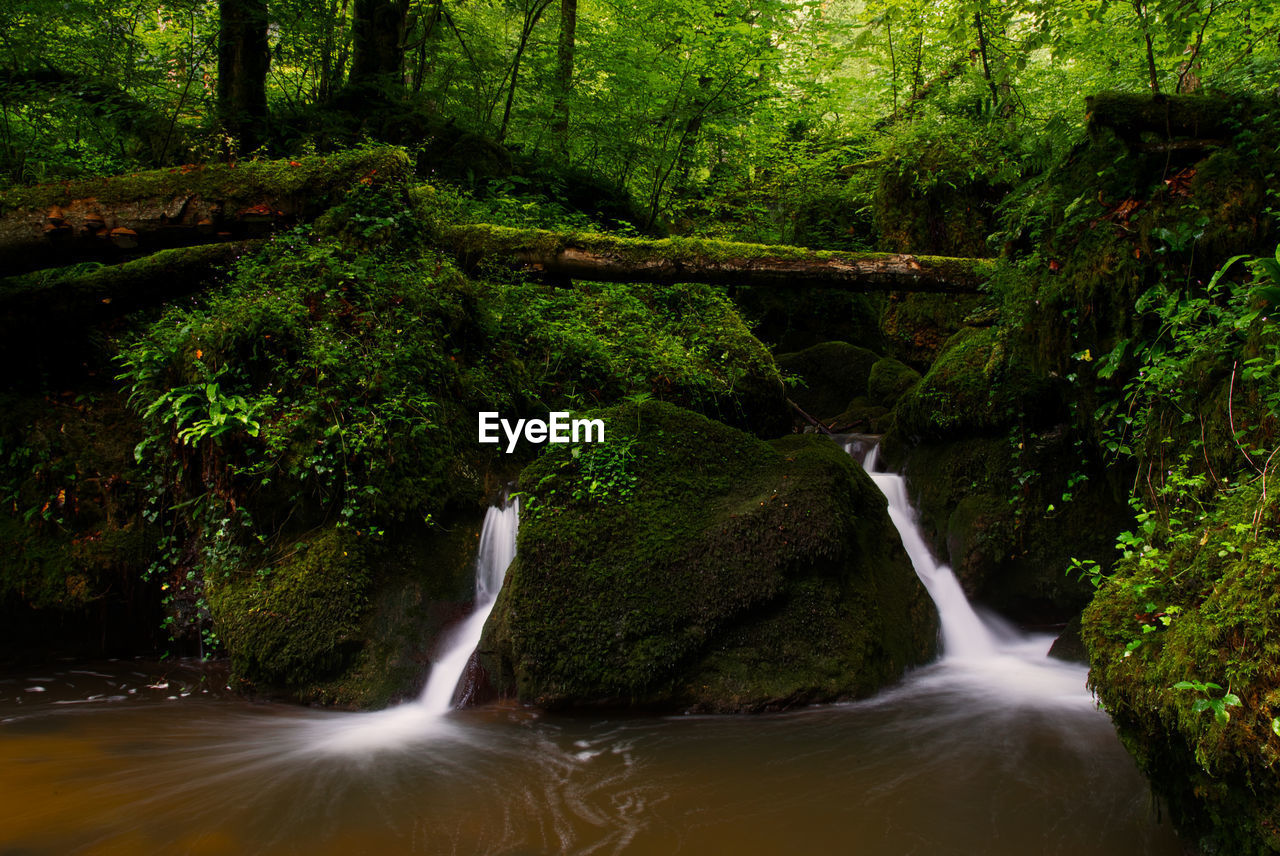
(117, 218)
(47, 317)
(605, 258)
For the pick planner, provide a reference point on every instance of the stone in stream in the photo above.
(685, 564)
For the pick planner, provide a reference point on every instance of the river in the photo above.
(994, 749)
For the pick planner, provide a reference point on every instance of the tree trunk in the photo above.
(604, 258)
(564, 77)
(110, 219)
(243, 60)
(1153, 78)
(377, 64)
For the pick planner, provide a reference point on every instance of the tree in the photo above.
(243, 61)
(377, 64)
(564, 76)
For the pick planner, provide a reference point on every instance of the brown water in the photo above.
(952, 761)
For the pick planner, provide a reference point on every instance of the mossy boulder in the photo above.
(915, 326)
(888, 380)
(685, 564)
(978, 385)
(833, 374)
(297, 621)
(1204, 610)
(344, 619)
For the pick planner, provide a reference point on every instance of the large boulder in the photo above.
(1184, 653)
(685, 564)
(833, 374)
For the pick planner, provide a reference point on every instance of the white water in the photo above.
(497, 549)
(983, 652)
(424, 718)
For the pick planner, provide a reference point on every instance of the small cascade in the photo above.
(964, 634)
(983, 656)
(424, 718)
(497, 549)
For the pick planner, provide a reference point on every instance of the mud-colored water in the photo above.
(948, 762)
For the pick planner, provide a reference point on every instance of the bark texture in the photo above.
(110, 219)
(603, 258)
(243, 60)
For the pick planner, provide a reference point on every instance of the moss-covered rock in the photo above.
(295, 621)
(684, 563)
(1204, 610)
(976, 386)
(345, 619)
(916, 326)
(1009, 512)
(332, 387)
(888, 380)
(833, 374)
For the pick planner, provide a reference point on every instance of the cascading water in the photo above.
(497, 549)
(964, 635)
(981, 651)
(993, 749)
(425, 717)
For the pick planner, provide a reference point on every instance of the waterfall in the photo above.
(964, 635)
(497, 549)
(424, 719)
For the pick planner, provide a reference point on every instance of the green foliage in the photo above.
(1218, 704)
(333, 384)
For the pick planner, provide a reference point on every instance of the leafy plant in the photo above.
(1218, 704)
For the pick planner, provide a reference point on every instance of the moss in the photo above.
(700, 579)
(916, 326)
(930, 201)
(1221, 595)
(976, 385)
(993, 509)
(480, 240)
(310, 182)
(352, 361)
(298, 620)
(424, 582)
(833, 373)
(861, 416)
(888, 380)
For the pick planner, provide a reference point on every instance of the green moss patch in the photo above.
(715, 572)
(832, 374)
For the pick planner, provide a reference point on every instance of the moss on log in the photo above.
(107, 219)
(605, 258)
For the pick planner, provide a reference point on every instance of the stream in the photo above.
(992, 749)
